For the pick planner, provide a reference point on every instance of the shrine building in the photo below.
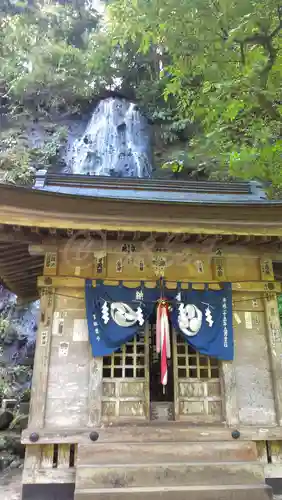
(158, 365)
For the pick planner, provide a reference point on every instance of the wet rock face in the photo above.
(6, 418)
(18, 326)
(17, 346)
(116, 142)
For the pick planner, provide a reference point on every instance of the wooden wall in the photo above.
(255, 397)
(68, 378)
(73, 380)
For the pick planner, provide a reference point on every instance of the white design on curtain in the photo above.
(123, 315)
(190, 319)
(105, 313)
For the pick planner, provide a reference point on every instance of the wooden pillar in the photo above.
(41, 360)
(274, 337)
(275, 350)
(147, 409)
(32, 463)
(227, 368)
(95, 391)
(230, 393)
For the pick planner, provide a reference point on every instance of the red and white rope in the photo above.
(163, 339)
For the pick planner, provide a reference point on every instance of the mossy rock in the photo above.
(5, 460)
(6, 417)
(13, 445)
(19, 423)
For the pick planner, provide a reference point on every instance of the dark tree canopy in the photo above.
(208, 74)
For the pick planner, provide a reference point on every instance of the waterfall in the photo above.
(116, 142)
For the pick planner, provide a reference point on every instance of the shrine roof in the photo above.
(152, 190)
(60, 206)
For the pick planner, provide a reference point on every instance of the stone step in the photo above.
(210, 492)
(169, 474)
(122, 453)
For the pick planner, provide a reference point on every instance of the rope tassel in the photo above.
(163, 338)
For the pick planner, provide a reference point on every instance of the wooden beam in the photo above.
(41, 364)
(18, 279)
(242, 286)
(11, 258)
(203, 237)
(275, 351)
(22, 259)
(34, 250)
(245, 240)
(149, 433)
(120, 235)
(4, 246)
(186, 237)
(274, 241)
(95, 391)
(113, 246)
(262, 240)
(60, 236)
(13, 272)
(27, 293)
(19, 236)
(13, 248)
(231, 239)
(230, 394)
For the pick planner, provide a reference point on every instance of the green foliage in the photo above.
(224, 68)
(19, 160)
(208, 73)
(56, 57)
(174, 165)
(48, 48)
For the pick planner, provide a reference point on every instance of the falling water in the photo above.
(116, 142)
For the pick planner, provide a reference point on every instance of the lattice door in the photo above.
(126, 381)
(197, 385)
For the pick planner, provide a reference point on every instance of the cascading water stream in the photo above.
(116, 142)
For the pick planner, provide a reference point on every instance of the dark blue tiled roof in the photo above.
(150, 189)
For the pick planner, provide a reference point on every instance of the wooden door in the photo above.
(126, 381)
(197, 385)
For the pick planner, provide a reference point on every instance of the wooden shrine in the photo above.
(102, 428)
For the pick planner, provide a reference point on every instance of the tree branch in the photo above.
(276, 30)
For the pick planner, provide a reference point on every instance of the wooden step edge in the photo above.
(172, 464)
(153, 442)
(173, 488)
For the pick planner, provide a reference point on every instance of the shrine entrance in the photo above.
(132, 390)
(161, 397)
